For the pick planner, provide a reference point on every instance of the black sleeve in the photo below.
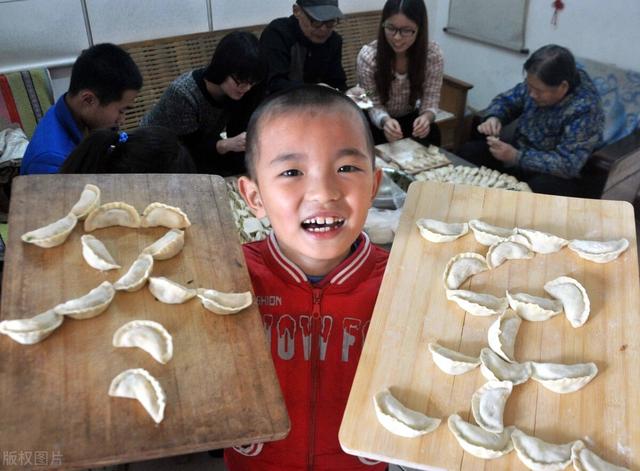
(275, 46)
(335, 73)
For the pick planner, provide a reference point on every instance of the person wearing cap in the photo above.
(304, 48)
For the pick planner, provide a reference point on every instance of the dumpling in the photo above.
(90, 305)
(112, 214)
(573, 297)
(487, 404)
(224, 303)
(401, 420)
(543, 242)
(166, 246)
(450, 361)
(137, 275)
(169, 292)
(488, 234)
(534, 308)
(502, 335)
(158, 214)
(139, 384)
(89, 200)
(494, 368)
(461, 267)
(439, 231)
(478, 441)
(507, 249)
(562, 378)
(52, 234)
(96, 254)
(536, 454)
(597, 251)
(31, 330)
(586, 460)
(477, 304)
(150, 336)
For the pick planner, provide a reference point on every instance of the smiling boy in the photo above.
(317, 276)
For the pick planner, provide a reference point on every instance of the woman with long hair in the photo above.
(401, 72)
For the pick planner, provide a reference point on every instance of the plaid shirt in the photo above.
(398, 104)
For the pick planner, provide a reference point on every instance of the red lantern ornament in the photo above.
(557, 6)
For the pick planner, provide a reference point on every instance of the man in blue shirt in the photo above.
(104, 83)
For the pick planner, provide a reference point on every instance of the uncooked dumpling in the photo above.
(542, 242)
(137, 275)
(159, 214)
(96, 254)
(599, 251)
(488, 234)
(533, 308)
(150, 336)
(450, 361)
(112, 214)
(439, 231)
(478, 441)
(487, 404)
(573, 297)
(52, 234)
(502, 335)
(537, 454)
(461, 267)
(477, 304)
(166, 246)
(90, 305)
(139, 384)
(586, 460)
(494, 368)
(510, 248)
(562, 378)
(401, 420)
(31, 330)
(169, 292)
(224, 303)
(89, 200)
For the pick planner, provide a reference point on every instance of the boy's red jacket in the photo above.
(316, 334)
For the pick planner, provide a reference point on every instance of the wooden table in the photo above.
(221, 385)
(412, 310)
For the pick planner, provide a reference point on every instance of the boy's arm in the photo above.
(43, 163)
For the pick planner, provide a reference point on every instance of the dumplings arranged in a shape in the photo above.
(401, 420)
(477, 304)
(90, 305)
(494, 368)
(150, 336)
(487, 404)
(461, 267)
(89, 200)
(169, 292)
(502, 335)
(137, 275)
(542, 242)
(439, 231)
(167, 246)
(477, 441)
(52, 234)
(533, 308)
(138, 383)
(586, 460)
(96, 254)
(159, 214)
(31, 330)
(507, 249)
(573, 297)
(488, 234)
(224, 303)
(599, 251)
(537, 454)
(112, 214)
(562, 378)
(450, 361)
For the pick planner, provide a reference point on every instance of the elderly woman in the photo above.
(560, 123)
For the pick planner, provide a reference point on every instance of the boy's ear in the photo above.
(88, 98)
(251, 194)
(377, 178)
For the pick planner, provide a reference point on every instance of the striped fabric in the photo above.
(25, 97)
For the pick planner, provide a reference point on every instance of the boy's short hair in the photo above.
(302, 98)
(107, 70)
(238, 55)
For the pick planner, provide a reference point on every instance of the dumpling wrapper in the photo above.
(502, 335)
(439, 231)
(450, 361)
(138, 384)
(31, 330)
(461, 267)
(561, 378)
(90, 305)
(168, 291)
(401, 420)
(89, 200)
(477, 304)
(542, 242)
(488, 234)
(586, 460)
(533, 308)
(511, 248)
(494, 368)
(149, 336)
(487, 404)
(117, 213)
(573, 297)
(477, 441)
(224, 303)
(137, 275)
(96, 254)
(52, 234)
(599, 251)
(537, 454)
(167, 246)
(159, 214)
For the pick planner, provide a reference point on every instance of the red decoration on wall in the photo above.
(557, 6)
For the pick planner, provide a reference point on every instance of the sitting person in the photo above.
(310, 159)
(202, 103)
(560, 123)
(104, 83)
(401, 72)
(303, 48)
(152, 149)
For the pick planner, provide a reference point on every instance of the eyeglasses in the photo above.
(315, 24)
(392, 31)
(240, 84)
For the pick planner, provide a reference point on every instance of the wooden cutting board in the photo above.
(221, 385)
(412, 310)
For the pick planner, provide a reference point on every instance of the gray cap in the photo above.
(321, 10)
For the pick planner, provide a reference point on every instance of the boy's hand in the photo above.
(491, 127)
(232, 144)
(392, 130)
(422, 125)
(502, 151)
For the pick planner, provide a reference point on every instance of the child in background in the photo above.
(310, 160)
